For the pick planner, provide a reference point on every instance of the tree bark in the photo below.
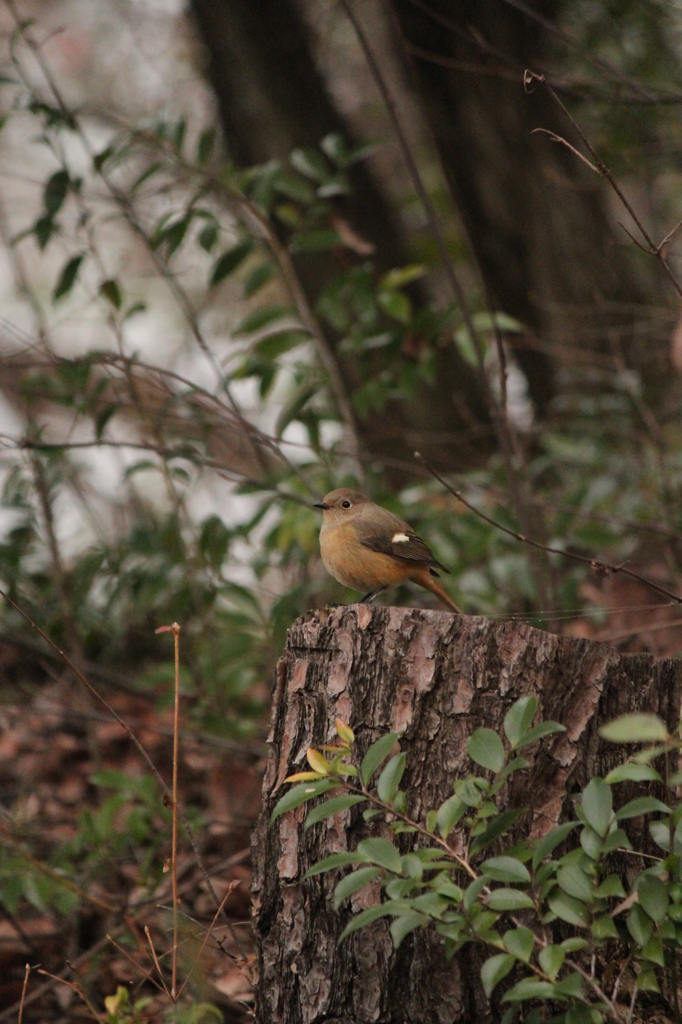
(439, 677)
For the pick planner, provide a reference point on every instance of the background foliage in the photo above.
(213, 316)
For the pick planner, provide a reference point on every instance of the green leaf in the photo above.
(300, 795)
(329, 807)
(549, 842)
(653, 897)
(574, 944)
(67, 278)
(352, 883)
(611, 886)
(568, 909)
(516, 764)
(336, 860)
(505, 869)
(377, 753)
(639, 925)
(229, 261)
(318, 240)
(55, 192)
(485, 748)
(571, 986)
(494, 970)
(573, 880)
(597, 805)
(400, 276)
(519, 941)
(646, 981)
(603, 927)
(310, 164)
(630, 772)
(654, 951)
(473, 891)
(449, 813)
(364, 918)
(528, 988)
(497, 827)
(208, 236)
(382, 852)
(551, 959)
(405, 924)
(111, 291)
(509, 899)
(641, 805)
(257, 279)
(636, 728)
(205, 145)
(519, 719)
(543, 729)
(389, 780)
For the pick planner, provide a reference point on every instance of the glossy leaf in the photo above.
(67, 278)
(485, 748)
(641, 805)
(377, 753)
(519, 719)
(549, 842)
(352, 883)
(449, 813)
(382, 852)
(389, 780)
(509, 899)
(494, 970)
(551, 959)
(637, 728)
(300, 795)
(597, 806)
(505, 869)
(519, 941)
(330, 807)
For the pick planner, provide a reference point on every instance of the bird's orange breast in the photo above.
(355, 566)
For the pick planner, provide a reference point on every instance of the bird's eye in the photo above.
(346, 504)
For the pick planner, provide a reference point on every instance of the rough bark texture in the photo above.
(439, 677)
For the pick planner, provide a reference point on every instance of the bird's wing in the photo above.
(402, 544)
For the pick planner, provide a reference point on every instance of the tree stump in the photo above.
(438, 677)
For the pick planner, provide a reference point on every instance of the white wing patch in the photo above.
(399, 538)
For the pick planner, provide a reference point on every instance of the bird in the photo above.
(366, 547)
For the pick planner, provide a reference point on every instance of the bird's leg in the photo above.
(368, 598)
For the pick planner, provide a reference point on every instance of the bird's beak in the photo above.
(321, 504)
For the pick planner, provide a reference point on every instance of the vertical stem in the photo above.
(174, 849)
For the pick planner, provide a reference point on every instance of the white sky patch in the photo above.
(399, 538)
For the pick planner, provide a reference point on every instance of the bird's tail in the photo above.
(426, 580)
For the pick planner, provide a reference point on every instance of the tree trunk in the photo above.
(439, 677)
(538, 219)
(273, 99)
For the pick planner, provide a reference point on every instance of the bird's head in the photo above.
(341, 505)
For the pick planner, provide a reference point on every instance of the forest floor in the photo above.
(85, 840)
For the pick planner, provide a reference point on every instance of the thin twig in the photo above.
(654, 250)
(175, 629)
(600, 567)
(231, 887)
(23, 993)
(156, 960)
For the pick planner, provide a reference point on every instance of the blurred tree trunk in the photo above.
(273, 99)
(438, 676)
(537, 217)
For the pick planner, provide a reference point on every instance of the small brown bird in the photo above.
(366, 547)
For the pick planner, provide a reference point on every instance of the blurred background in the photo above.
(253, 252)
